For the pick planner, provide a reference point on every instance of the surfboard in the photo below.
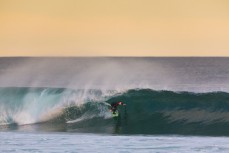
(115, 114)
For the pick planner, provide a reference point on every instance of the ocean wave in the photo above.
(147, 111)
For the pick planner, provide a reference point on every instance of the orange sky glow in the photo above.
(114, 28)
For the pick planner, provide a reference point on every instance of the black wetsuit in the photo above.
(114, 106)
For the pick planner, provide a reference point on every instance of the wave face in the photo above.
(147, 111)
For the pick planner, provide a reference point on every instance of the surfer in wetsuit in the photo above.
(115, 105)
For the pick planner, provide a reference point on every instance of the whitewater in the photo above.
(173, 104)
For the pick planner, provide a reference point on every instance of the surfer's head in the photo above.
(120, 103)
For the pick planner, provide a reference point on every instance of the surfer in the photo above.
(115, 105)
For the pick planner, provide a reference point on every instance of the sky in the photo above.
(114, 28)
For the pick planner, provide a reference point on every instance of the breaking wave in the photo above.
(147, 111)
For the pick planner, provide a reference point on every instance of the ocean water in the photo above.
(62, 104)
(78, 142)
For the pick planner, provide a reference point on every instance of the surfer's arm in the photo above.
(123, 104)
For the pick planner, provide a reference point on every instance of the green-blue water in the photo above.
(147, 111)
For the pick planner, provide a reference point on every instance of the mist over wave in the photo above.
(174, 74)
